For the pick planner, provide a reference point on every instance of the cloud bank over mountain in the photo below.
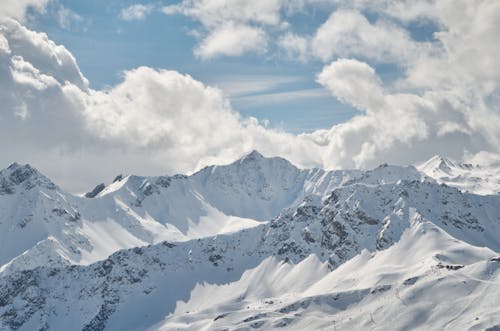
(445, 101)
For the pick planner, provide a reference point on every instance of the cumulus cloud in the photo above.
(448, 88)
(445, 100)
(353, 82)
(232, 40)
(36, 74)
(396, 126)
(184, 123)
(469, 48)
(18, 8)
(136, 12)
(37, 49)
(234, 28)
(349, 33)
(131, 111)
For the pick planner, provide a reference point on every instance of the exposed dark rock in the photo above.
(118, 178)
(98, 189)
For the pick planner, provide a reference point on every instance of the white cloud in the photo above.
(185, 123)
(17, 8)
(400, 127)
(349, 33)
(4, 45)
(232, 40)
(273, 98)
(462, 53)
(132, 110)
(213, 13)
(67, 18)
(136, 12)
(25, 74)
(353, 82)
(242, 85)
(295, 46)
(37, 49)
(234, 28)
(469, 48)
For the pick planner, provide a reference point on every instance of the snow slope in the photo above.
(345, 253)
(383, 290)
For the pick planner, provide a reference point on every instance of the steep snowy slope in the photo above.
(467, 177)
(374, 247)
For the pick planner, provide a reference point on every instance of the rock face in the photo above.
(98, 189)
(343, 249)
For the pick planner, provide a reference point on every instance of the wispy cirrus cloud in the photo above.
(136, 12)
(273, 98)
(67, 18)
(244, 85)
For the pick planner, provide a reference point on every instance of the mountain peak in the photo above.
(441, 159)
(16, 175)
(253, 156)
(438, 163)
(256, 157)
(14, 165)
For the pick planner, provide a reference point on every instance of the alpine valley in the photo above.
(256, 244)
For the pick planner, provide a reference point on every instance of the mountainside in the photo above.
(257, 244)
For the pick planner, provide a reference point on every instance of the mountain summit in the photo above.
(438, 164)
(23, 177)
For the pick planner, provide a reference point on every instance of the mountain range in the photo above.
(256, 244)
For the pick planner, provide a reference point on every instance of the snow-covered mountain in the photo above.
(465, 176)
(257, 244)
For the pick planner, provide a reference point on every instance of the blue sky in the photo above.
(278, 89)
